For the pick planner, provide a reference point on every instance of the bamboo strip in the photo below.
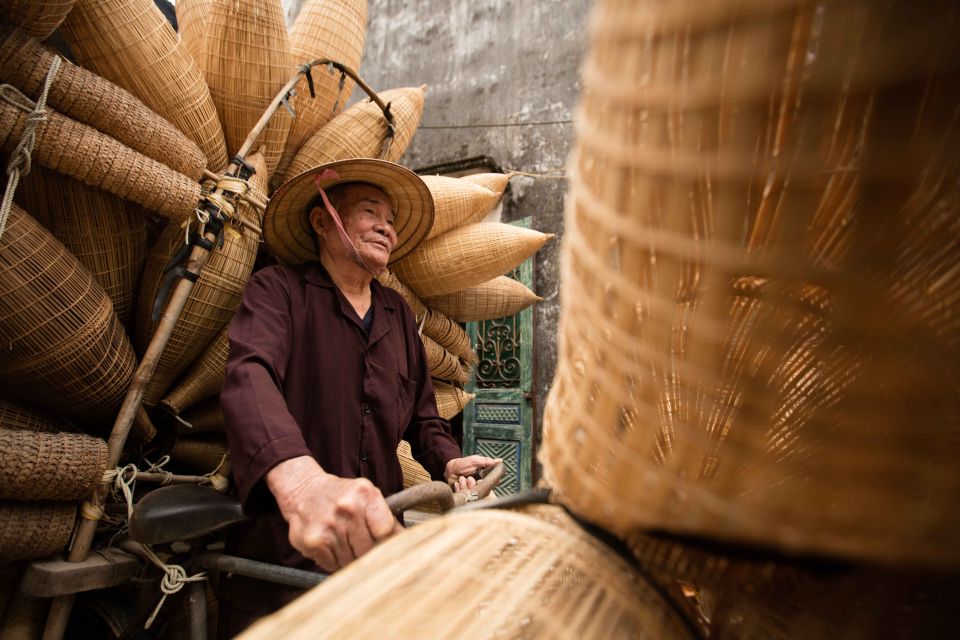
(499, 298)
(39, 18)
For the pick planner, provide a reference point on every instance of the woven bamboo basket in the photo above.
(86, 97)
(214, 298)
(247, 61)
(449, 335)
(759, 335)
(39, 18)
(388, 279)
(451, 400)
(466, 257)
(204, 378)
(202, 418)
(359, 131)
(205, 454)
(536, 581)
(496, 182)
(31, 530)
(100, 161)
(130, 42)
(192, 28)
(49, 466)
(332, 30)
(499, 298)
(64, 348)
(16, 415)
(457, 202)
(106, 234)
(25, 618)
(443, 364)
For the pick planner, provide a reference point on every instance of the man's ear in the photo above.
(316, 219)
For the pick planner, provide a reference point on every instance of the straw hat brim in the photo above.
(286, 229)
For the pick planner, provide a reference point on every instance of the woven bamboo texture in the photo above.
(39, 18)
(25, 618)
(204, 378)
(203, 454)
(457, 202)
(443, 364)
(64, 348)
(31, 530)
(247, 61)
(98, 160)
(449, 335)
(538, 581)
(759, 334)
(214, 297)
(130, 43)
(332, 30)
(499, 298)
(49, 466)
(496, 182)
(16, 415)
(192, 28)
(466, 257)
(359, 131)
(451, 400)
(106, 234)
(203, 418)
(388, 279)
(414, 474)
(86, 97)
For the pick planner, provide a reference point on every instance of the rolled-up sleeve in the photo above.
(260, 429)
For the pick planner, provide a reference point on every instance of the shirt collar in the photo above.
(316, 274)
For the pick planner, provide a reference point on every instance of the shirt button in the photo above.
(366, 409)
(363, 457)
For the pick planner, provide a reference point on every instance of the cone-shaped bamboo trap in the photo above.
(539, 581)
(130, 42)
(496, 182)
(443, 364)
(759, 335)
(39, 18)
(31, 530)
(88, 98)
(388, 279)
(457, 202)
(49, 466)
(359, 131)
(328, 30)
(16, 415)
(501, 297)
(449, 335)
(192, 28)
(202, 418)
(466, 257)
(451, 400)
(247, 62)
(214, 298)
(64, 350)
(106, 234)
(204, 378)
(204, 453)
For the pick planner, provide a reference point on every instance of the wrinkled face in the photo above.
(368, 220)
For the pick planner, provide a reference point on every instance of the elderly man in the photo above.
(326, 374)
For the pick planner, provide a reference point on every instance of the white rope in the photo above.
(20, 158)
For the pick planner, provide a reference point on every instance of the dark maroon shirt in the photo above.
(305, 378)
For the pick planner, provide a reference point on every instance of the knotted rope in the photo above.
(19, 164)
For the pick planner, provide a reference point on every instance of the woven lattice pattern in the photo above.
(449, 335)
(192, 28)
(359, 131)
(457, 202)
(331, 30)
(49, 466)
(203, 453)
(443, 364)
(16, 415)
(206, 416)
(247, 61)
(499, 298)
(466, 257)
(130, 42)
(97, 102)
(213, 300)
(387, 279)
(451, 400)
(64, 348)
(31, 530)
(759, 333)
(39, 18)
(204, 378)
(540, 581)
(496, 182)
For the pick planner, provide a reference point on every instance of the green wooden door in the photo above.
(498, 423)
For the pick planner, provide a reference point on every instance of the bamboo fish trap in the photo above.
(448, 335)
(204, 417)
(451, 400)
(49, 466)
(31, 530)
(501, 297)
(39, 18)
(496, 182)
(205, 453)
(443, 364)
(457, 202)
(759, 335)
(204, 378)
(15, 415)
(540, 580)
(192, 28)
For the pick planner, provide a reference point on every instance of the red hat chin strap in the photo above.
(330, 174)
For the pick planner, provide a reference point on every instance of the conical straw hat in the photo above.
(39, 18)
(49, 466)
(332, 30)
(449, 335)
(538, 581)
(202, 453)
(204, 417)
(443, 364)
(359, 131)
(130, 42)
(451, 400)
(466, 257)
(17, 415)
(496, 182)
(204, 378)
(106, 234)
(214, 297)
(100, 161)
(31, 530)
(457, 202)
(192, 28)
(64, 348)
(759, 341)
(499, 298)
(86, 97)
(247, 62)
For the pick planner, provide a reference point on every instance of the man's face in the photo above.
(368, 220)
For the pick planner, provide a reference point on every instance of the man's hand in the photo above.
(459, 471)
(332, 520)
